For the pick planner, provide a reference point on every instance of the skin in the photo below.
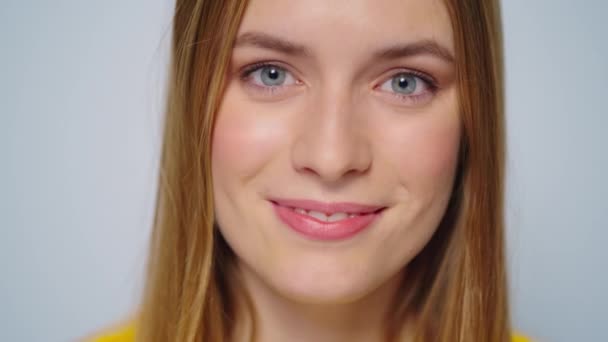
(334, 130)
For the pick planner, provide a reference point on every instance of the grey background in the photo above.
(81, 94)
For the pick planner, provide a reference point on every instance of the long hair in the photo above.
(457, 287)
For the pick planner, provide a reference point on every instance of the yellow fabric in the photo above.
(519, 338)
(128, 335)
(122, 335)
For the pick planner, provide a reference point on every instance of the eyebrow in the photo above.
(422, 47)
(266, 41)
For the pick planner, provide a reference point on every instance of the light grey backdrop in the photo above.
(81, 93)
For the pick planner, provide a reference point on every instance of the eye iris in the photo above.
(405, 84)
(272, 76)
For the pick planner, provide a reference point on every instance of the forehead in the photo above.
(334, 26)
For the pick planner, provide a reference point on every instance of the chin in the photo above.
(327, 292)
(329, 283)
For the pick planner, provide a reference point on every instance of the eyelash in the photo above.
(428, 81)
(245, 74)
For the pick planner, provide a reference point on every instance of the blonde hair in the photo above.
(456, 289)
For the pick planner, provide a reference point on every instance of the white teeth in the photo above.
(323, 217)
(318, 215)
(337, 217)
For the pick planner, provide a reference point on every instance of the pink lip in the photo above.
(322, 230)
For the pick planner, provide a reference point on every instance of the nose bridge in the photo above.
(332, 143)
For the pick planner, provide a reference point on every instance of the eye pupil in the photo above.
(273, 73)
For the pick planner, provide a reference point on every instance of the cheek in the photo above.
(424, 151)
(432, 152)
(244, 141)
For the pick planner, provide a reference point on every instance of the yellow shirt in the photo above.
(128, 335)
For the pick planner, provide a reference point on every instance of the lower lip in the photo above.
(321, 230)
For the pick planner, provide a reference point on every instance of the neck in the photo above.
(279, 319)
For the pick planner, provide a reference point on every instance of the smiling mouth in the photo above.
(327, 207)
(329, 217)
(326, 221)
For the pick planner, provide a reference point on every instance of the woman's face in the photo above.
(335, 101)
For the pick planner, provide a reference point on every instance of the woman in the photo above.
(331, 171)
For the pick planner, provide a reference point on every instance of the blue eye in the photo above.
(269, 75)
(272, 76)
(405, 84)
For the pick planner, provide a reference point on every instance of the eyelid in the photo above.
(246, 73)
(426, 78)
(248, 70)
(426, 95)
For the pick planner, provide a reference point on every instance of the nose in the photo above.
(332, 142)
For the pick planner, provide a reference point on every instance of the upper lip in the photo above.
(328, 207)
